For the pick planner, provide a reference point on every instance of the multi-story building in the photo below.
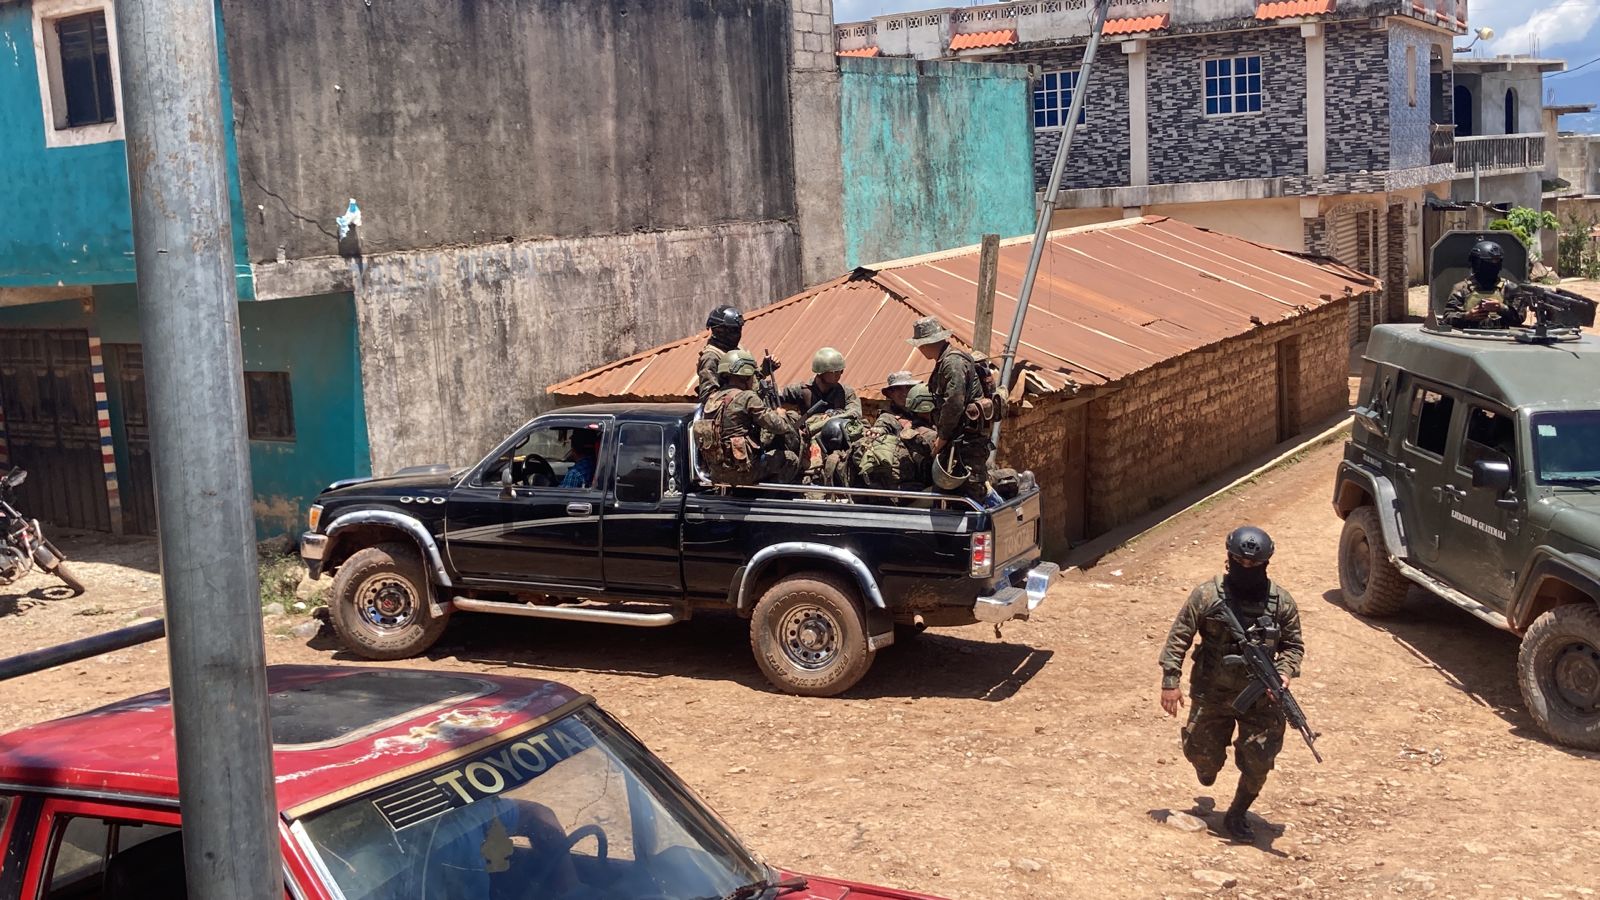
(1317, 125)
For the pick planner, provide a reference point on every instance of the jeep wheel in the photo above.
(809, 638)
(1370, 583)
(379, 606)
(1558, 669)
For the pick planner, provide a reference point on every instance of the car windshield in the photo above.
(575, 810)
(1566, 446)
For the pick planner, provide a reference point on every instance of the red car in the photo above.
(390, 784)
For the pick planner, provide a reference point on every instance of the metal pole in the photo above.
(988, 274)
(83, 648)
(1047, 209)
(189, 322)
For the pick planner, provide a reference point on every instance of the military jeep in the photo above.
(1473, 470)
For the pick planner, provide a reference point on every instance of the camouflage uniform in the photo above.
(897, 452)
(1213, 685)
(1463, 301)
(708, 382)
(761, 444)
(839, 398)
(955, 384)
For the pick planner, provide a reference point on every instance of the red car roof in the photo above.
(334, 729)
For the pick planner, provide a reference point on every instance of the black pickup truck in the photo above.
(646, 539)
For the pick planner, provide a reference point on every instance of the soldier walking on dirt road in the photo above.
(1219, 675)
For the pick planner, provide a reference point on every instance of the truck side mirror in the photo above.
(505, 478)
(1492, 474)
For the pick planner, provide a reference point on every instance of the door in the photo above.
(1422, 472)
(1288, 353)
(87, 848)
(642, 514)
(1477, 544)
(47, 391)
(534, 532)
(125, 381)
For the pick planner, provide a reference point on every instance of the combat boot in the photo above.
(1237, 821)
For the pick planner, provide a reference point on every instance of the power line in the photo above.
(1575, 68)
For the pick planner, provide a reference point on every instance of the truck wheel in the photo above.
(1371, 584)
(380, 604)
(809, 638)
(1558, 669)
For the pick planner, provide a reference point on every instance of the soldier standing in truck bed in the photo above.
(963, 409)
(742, 441)
(727, 329)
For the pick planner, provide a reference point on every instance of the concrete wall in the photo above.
(1169, 429)
(459, 344)
(551, 119)
(64, 211)
(1489, 100)
(1579, 161)
(935, 155)
(1522, 190)
(1274, 222)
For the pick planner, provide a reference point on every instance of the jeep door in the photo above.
(1477, 538)
(643, 511)
(1421, 470)
(513, 522)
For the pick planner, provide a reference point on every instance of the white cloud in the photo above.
(1559, 23)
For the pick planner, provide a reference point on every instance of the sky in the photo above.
(1560, 29)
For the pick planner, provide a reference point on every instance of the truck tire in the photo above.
(1558, 670)
(379, 606)
(809, 637)
(1370, 583)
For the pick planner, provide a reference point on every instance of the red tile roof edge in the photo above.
(861, 52)
(979, 39)
(1283, 9)
(1137, 25)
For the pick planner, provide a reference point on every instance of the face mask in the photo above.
(1247, 583)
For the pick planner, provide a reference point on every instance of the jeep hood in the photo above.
(1577, 519)
(410, 478)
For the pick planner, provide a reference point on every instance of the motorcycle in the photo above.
(24, 543)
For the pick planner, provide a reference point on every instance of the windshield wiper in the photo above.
(760, 888)
(1577, 480)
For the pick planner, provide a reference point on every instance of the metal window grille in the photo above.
(86, 78)
(1052, 99)
(269, 406)
(1233, 85)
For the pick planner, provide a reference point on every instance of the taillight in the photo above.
(982, 554)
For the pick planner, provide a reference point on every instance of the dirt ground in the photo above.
(1038, 764)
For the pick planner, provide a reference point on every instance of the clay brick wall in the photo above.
(1052, 441)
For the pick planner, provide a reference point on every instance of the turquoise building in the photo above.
(71, 359)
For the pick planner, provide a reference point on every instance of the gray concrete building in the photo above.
(1313, 125)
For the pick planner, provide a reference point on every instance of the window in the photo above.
(1430, 418)
(1411, 75)
(82, 845)
(1566, 446)
(1511, 111)
(269, 407)
(639, 463)
(1233, 86)
(1052, 99)
(548, 454)
(1489, 436)
(77, 71)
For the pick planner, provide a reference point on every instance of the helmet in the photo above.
(949, 473)
(900, 379)
(737, 362)
(827, 360)
(725, 317)
(833, 436)
(927, 330)
(919, 399)
(1487, 252)
(1248, 542)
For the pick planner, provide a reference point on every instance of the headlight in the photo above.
(314, 518)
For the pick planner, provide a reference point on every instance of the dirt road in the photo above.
(1039, 765)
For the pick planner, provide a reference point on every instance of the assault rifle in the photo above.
(1551, 308)
(766, 385)
(1264, 677)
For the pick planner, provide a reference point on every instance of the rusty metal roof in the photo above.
(1136, 25)
(1110, 300)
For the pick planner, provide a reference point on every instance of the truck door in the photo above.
(1422, 472)
(643, 509)
(542, 529)
(1479, 531)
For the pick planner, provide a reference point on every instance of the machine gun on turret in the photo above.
(1556, 313)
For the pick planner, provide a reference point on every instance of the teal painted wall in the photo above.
(935, 155)
(311, 338)
(64, 214)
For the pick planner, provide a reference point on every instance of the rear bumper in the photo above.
(1019, 600)
(312, 546)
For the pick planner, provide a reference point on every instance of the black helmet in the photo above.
(833, 435)
(1250, 543)
(725, 317)
(1486, 252)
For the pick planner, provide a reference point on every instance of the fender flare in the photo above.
(1381, 490)
(807, 549)
(1576, 569)
(425, 541)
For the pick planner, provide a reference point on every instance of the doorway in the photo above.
(47, 391)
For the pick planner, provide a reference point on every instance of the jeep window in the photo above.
(545, 457)
(1430, 420)
(1489, 436)
(639, 456)
(1566, 447)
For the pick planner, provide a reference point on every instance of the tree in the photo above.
(1526, 224)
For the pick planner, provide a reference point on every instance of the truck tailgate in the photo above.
(1016, 529)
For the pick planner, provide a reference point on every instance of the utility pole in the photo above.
(988, 274)
(189, 322)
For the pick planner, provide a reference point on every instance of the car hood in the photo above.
(412, 478)
(1578, 519)
(818, 888)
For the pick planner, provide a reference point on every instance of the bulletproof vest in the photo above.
(722, 440)
(1248, 613)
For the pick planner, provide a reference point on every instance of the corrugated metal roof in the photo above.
(1284, 9)
(1110, 300)
(1137, 25)
(977, 39)
(860, 51)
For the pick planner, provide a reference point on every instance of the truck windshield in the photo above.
(575, 810)
(1566, 447)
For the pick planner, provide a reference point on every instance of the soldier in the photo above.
(895, 390)
(1216, 680)
(964, 408)
(727, 327)
(897, 451)
(1482, 301)
(823, 401)
(827, 385)
(742, 441)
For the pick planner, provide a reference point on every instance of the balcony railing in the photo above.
(1442, 145)
(1498, 154)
